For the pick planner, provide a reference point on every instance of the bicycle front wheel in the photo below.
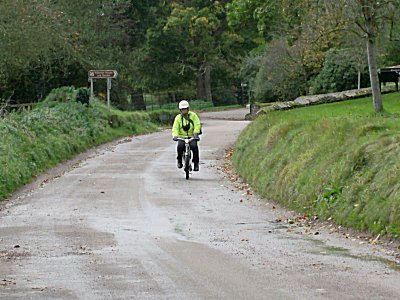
(187, 167)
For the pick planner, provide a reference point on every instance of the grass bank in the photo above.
(56, 130)
(336, 160)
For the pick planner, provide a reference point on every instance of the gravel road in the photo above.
(121, 222)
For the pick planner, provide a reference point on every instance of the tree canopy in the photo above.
(197, 48)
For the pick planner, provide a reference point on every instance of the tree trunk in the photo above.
(207, 82)
(201, 93)
(359, 80)
(369, 10)
(204, 82)
(138, 102)
(373, 74)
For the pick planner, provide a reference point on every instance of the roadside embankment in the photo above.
(338, 161)
(59, 128)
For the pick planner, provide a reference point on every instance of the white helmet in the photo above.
(183, 104)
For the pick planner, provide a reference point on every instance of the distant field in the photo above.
(337, 160)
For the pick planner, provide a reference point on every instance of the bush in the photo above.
(163, 117)
(61, 94)
(83, 96)
(224, 96)
(338, 74)
(281, 76)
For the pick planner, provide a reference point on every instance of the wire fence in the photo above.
(194, 105)
(167, 100)
(6, 108)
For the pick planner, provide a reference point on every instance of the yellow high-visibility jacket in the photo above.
(180, 121)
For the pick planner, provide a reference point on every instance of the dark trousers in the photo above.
(193, 147)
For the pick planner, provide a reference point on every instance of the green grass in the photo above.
(336, 160)
(219, 108)
(55, 131)
(195, 105)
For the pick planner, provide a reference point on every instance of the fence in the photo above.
(6, 108)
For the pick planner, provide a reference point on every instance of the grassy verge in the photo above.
(336, 160)
(219, 108)
(195, 105)
(55, 131)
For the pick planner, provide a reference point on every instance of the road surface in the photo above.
(125, 224)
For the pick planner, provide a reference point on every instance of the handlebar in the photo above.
(186, 138)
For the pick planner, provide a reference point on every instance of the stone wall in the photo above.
(318, 99)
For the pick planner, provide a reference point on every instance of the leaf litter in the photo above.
(310, 225)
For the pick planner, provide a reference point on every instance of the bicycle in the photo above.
(187, 156)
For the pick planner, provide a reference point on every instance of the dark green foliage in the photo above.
(392, 56)
(165, 46)
(223, 87)
(224, 96)
(164, 117)
(61, 94)
(281, 76)
(338, 74)
(83, 96)
(45, 73)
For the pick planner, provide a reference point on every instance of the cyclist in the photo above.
(187, 123)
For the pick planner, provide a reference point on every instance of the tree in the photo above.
(371, 18)
(297, 35)
(25, 31)
(341, 71)
(44, 46)
(113, 35)
(196, 29)
(283, 73)
(202, 40)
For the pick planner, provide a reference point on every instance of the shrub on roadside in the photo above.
(83, 96)
(163, 116)
(61, 94)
